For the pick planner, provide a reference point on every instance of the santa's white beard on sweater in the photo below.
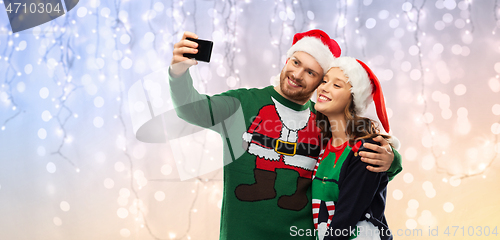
(291, 119)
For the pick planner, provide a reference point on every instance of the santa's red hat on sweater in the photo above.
(317, 44)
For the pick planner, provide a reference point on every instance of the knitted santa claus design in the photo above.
(317, 44)
(290, 123)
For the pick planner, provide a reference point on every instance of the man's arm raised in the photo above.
(191, 106)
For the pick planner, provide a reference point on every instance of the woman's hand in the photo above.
(382, 158)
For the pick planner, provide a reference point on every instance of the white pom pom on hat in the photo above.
(317, 44)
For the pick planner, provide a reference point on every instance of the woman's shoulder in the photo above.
(355, 158)
(359, 145)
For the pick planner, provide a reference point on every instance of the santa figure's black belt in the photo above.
(325, 179)
(286, 148)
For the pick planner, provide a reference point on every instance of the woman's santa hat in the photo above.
(317, 44)
(365, 89)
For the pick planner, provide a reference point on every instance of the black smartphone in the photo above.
(204, 50)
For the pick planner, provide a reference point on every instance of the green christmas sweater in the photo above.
(268, 163)
(348, 200)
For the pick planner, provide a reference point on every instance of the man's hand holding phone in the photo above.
(187, 51)
(180, 64)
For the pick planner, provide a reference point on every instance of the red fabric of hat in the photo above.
(317, 44)
(378, 97)
(330, 43)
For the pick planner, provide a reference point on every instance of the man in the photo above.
(267, 189)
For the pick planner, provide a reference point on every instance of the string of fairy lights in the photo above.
(62, 42)
(276, 39)
(496, 12)
(7, 85)
(227, 11)
(359, 26)
(341, 23)
(289, 12)
(66, 85)
(413, 15)
(288, 17)
(469, 19)
(179, 15)
(120, 25)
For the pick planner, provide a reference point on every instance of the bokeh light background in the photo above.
(71, 167)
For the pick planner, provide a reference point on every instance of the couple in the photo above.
(292, 144)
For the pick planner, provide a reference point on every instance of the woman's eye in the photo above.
(336, 85)
(323, 81)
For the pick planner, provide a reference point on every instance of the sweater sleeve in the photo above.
(200, 109)
(396, 166)
(356, 192)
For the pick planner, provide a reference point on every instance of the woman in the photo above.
(348, 200)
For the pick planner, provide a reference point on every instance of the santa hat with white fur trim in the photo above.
(318, 44)
(365, 89)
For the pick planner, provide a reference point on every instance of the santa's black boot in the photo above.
(298, 200)
(262, 189)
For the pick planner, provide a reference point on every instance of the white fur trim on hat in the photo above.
(396, 144)
(314, 47)
(247, 137)
(361, 85)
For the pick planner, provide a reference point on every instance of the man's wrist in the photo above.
(173, 73)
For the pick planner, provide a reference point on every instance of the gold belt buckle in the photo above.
(288, 154)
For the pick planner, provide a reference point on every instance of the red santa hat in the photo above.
(365, 87)
(318, 44)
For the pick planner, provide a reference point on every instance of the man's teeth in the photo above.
(293, 83)
(324, 98)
